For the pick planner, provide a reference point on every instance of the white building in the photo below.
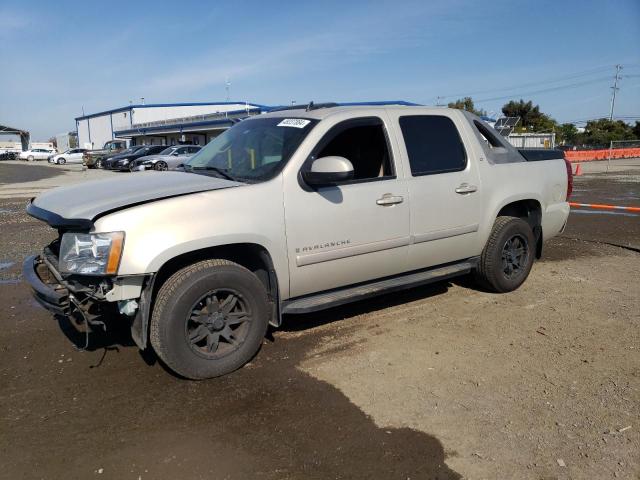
(532, 140)
(162, 123)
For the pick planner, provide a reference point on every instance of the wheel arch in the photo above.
(529, 210)
(254, 257)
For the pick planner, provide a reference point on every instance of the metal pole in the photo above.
(609, 159)
(615, 89)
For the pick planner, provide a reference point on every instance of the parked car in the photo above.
(94, 158)
(107, 162)
(168, 159)
(35, 154)
(74, 155)
(296, 211)
(9, 153)
(125, 163)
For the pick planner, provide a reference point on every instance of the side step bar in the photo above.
(334, 298)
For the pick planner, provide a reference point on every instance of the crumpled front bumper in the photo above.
(47, 291)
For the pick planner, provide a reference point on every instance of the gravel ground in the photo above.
(444, 381)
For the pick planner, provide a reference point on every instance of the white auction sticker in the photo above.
(294, 122)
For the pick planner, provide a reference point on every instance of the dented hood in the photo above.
(78, 205)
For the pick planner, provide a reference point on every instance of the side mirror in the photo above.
(328, 171)
(175, 154)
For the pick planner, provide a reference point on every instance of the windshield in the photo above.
(129, 150)
(253, 150)
(168, 151)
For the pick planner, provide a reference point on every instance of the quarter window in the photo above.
(433, 144)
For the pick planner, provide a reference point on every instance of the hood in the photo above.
(78, 205)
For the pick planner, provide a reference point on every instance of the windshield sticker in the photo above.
(294, 122)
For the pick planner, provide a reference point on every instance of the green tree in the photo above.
(636, 130)
(566, 134)
(531, 118)
(602, 132)
(466, 103)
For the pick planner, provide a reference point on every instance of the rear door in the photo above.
(354, 231)
(444, 188)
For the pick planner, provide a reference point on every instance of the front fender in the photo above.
(158, 231)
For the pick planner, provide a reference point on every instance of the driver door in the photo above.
(348, 233)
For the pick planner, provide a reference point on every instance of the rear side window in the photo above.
(433, 144)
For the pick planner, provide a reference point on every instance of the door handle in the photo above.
(466, 188)
(388, 199)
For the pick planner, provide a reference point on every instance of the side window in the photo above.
(364, 143)
(433, 144)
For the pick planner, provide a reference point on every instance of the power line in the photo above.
(530, 84)
(544, 90)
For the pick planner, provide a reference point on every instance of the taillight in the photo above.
(567, 164)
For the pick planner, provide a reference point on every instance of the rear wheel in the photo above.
(209, 319)
(508, 256)
(161, 166)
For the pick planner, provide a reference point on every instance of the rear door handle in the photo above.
(388, 199)
(466, 188)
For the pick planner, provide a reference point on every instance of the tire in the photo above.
(508, 256)
(61, 161)
(161, 166)
(189, 294)
(98, 164)
(30, 158)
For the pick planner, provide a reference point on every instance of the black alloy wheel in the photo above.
(218, 323)
(515, 253)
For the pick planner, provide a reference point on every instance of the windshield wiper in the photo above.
(221, 171)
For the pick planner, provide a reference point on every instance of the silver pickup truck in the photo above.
(291, 212)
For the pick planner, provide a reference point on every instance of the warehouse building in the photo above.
(162, 123)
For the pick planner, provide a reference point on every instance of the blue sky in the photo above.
(60, 57)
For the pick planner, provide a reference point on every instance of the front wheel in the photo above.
(209, 319)
(30, 158)
(98, 164)
(161, 166)
(61, 161)
(508, 256)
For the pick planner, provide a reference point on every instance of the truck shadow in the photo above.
(381, 302)
(270, 419)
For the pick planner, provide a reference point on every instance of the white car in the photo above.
(36, 154)
(73, 155)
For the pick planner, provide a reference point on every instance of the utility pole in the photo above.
(615, 88)
(227, 86)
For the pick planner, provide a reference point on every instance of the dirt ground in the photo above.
(439, 382)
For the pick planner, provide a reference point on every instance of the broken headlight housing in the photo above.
(91, 253)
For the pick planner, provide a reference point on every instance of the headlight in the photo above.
(91, 254)
(124, 160)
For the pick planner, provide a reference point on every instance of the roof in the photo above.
(160, 105)
(175, 128)
(373, 107)
(12, 131)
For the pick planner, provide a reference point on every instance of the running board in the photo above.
(334, 298)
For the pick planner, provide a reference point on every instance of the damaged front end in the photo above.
(88, 300)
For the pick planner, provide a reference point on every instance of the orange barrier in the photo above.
(599, 206)
(591, 155)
